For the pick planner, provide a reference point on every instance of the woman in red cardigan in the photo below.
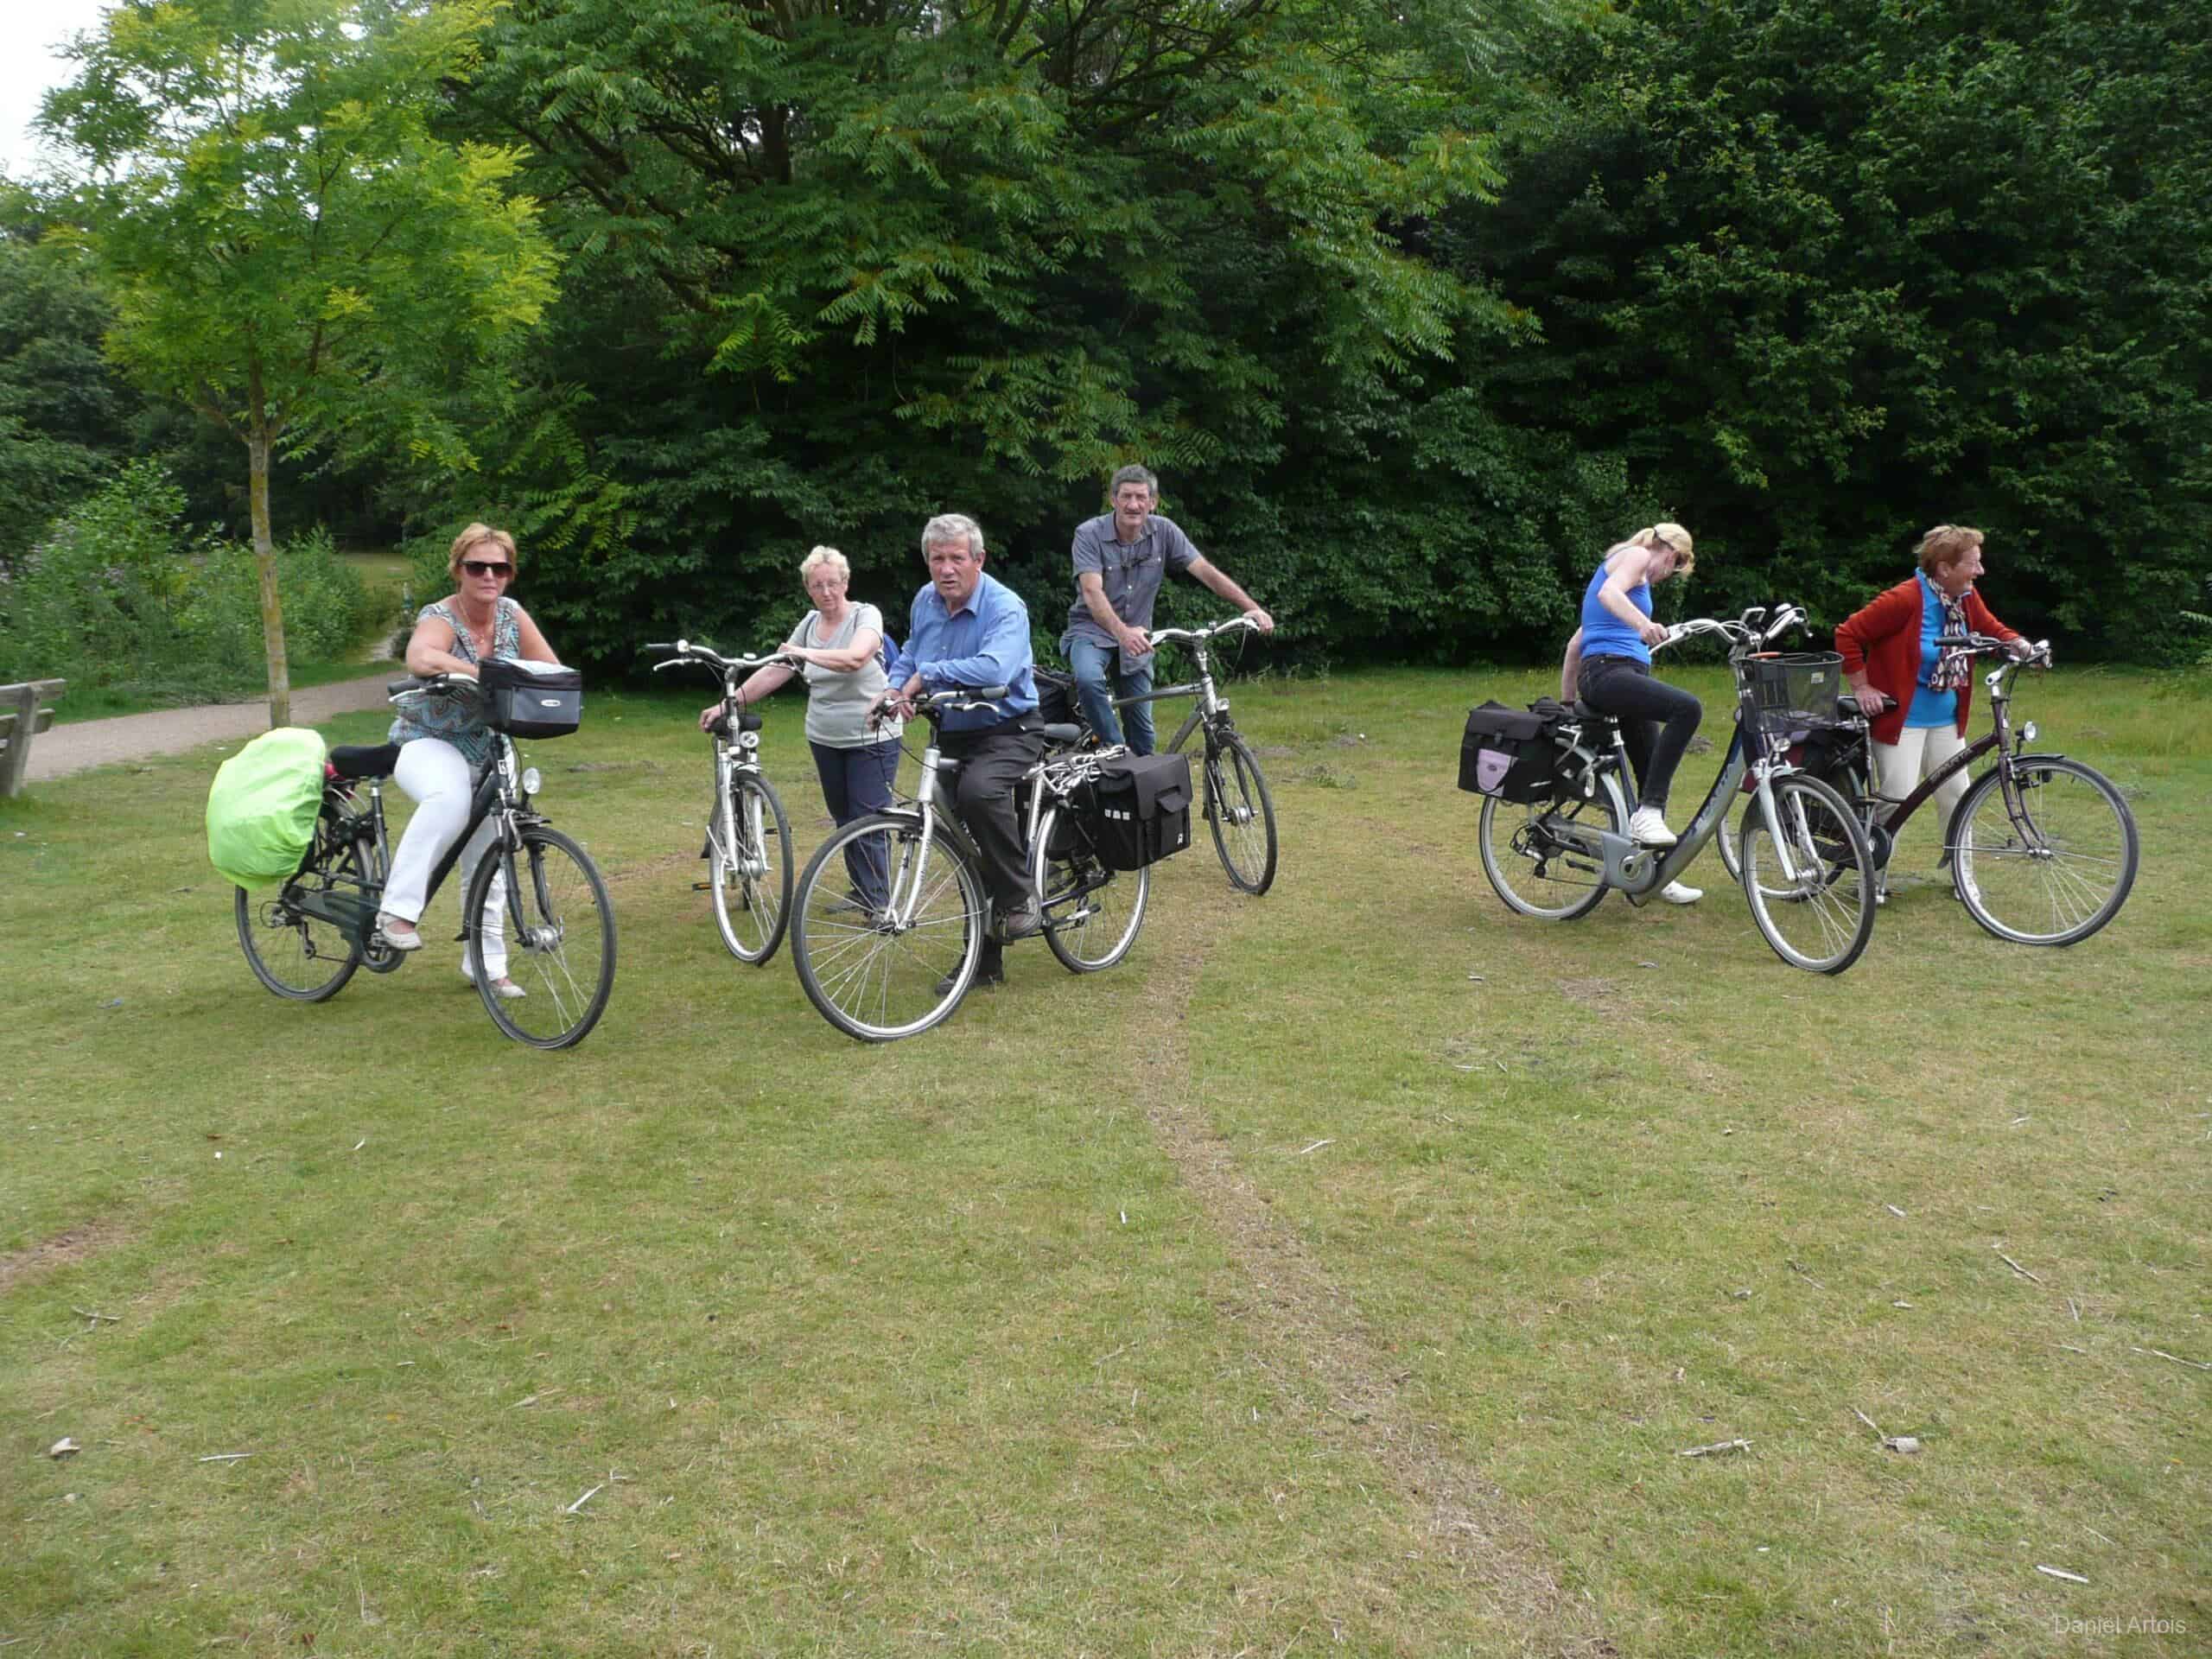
(1915, 696)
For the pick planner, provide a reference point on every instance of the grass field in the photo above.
(1344, 1273)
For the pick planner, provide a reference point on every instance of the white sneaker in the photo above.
(1647, 826)
(1675, 893)
(391, 939)
(504, 986)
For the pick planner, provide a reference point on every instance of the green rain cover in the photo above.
(261, 811)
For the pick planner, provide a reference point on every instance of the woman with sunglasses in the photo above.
(444, 740)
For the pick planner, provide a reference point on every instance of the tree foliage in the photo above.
(292, 252)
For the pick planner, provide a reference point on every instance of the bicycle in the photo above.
(1807, 868)
(879, 972)
(1236, 802)
(306, 941)
(748, 837)
(2042, 849)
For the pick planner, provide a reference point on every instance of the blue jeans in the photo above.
(854, 783)
(1098, 681)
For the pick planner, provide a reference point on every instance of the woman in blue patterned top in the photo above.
(445, 742)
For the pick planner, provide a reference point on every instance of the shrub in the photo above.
(122, 594)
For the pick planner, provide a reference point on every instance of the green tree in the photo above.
(65, 414)
(293, 252)
(835, 267)
(1818, 277)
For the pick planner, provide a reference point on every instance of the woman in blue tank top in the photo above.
(1608, 665)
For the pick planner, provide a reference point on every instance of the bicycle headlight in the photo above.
(2028, 733)
(531, 780)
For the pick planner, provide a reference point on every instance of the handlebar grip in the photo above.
(659, 645)
(393, 688)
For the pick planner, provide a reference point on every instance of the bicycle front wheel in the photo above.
(1820, 915)
(1531, 858)
(2052, 864)
(1240, 811)
(1091, 914)
(555, 931)
(749, 859)
(883, 965)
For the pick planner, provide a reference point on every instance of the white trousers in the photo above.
(1899, 766)
(436, 778)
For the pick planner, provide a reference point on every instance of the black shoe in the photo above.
(1021, 924)
(983, 976)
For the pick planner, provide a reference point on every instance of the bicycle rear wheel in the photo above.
(749, 869)
(301, 957)
(1091, 914)
(1532, 862)
(899, 965)
(558, 931)
(298, 956)
(2053, 864)
(1820, 915)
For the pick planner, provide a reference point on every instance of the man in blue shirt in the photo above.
(968, 629)
(1120, 559)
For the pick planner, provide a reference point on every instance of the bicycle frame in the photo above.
(1639, 871)
(1998, 738)
(498, 794)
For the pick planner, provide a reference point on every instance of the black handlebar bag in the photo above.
(1508, 752)
(1140, 809)
(531, 699)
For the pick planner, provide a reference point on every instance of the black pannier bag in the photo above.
(1056, 704)
(531, 699)
(1509, 752)
(1138, 810)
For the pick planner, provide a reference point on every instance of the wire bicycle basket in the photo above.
(1796, 687)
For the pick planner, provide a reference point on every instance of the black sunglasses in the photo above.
(485, 568)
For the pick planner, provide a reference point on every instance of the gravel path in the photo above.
(89, 743)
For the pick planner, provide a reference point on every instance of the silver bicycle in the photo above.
(748, 849)
(1807, 867)
(895, 962)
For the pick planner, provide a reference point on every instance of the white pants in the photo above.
(1899, 766)
(436, 778)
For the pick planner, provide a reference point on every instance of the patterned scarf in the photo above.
(1950, 670)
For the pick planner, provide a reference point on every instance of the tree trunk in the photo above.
(265, 556)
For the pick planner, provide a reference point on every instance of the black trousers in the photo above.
(992, 762)
(1657, 720)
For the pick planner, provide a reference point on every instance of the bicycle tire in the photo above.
(274, 936)
(564, 957)
(751, 881)
(1241, 812)
(1092, 915)
(873, 976)
(1512, 836)
(1834, 886)
(2064, 867)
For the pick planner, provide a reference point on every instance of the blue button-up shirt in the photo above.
(985, 642)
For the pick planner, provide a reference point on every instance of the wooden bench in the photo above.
(22, 716)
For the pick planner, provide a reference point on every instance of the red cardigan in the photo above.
(1882, 642)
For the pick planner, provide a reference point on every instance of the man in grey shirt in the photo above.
(1121, 558)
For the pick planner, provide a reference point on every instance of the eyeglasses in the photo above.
(486, 567)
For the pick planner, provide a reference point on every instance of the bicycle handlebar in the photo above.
(687, 652)
(1229, 625)
(418, 684)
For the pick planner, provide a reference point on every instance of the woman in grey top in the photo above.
(837, 643)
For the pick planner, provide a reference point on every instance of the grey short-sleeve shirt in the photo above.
(837, 704)
(1130, 572)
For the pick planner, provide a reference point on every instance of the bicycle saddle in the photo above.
(1847, 706)
(1063, 733)
(745, 723)
(1583, 711)
(364, 760)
